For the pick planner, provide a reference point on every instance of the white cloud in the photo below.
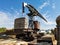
(53, 6)
(46, 13)
(15, 11)
(43, 5)
(3, 17)
(5, 20)
(50, 23)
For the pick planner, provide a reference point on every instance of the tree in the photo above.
(3, 29)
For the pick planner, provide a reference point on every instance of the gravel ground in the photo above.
(19, 42)
(12, 42)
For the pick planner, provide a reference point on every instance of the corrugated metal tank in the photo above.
(21, 23)
(36, 25)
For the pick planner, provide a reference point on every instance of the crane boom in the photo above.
(33, 11)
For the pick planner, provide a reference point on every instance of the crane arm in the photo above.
(33, 11)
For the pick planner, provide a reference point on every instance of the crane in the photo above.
(33, 12)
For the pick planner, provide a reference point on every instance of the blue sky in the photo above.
(11, 9)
